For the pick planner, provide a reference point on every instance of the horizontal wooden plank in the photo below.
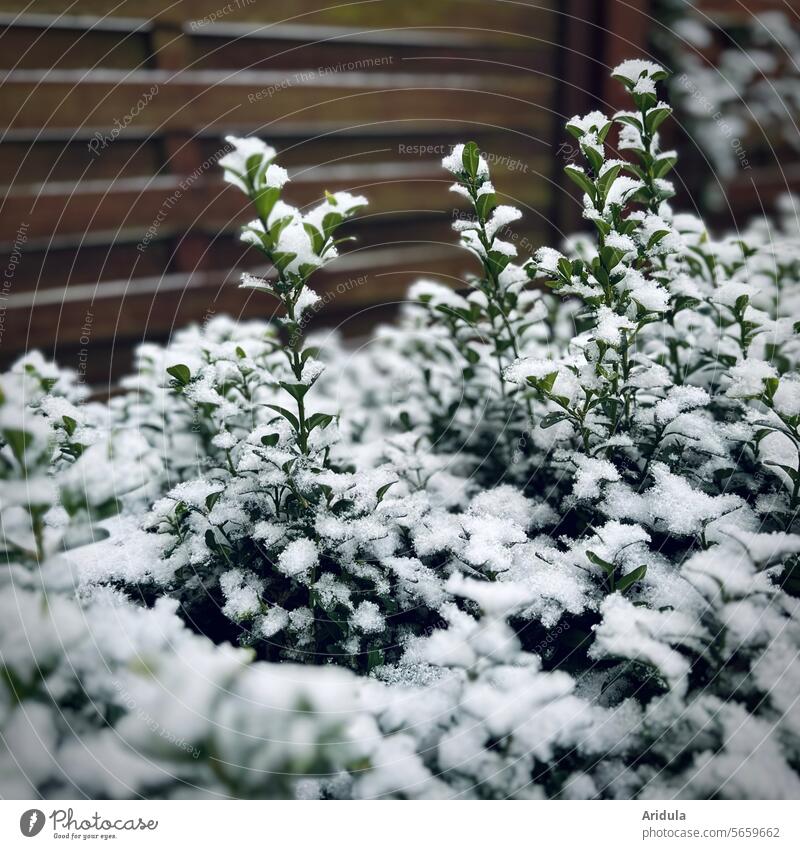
(332, 55)
(53, 264)
(160, 100)
(31, 160)
(46, 263)
(145, 205)
(519, 16)
(27, 159)
(363, 259)
(41, 41)
(65, 42)
(127, 311)
(458, 35)
(75, 23)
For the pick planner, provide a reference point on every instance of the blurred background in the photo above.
(116, 226)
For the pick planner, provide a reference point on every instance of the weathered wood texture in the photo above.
(114, 113)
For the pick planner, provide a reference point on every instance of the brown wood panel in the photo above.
(581, 72)
(627, 24)
(519, 16)
(365, 96)
(50, 263)
(756, 191)
(127, 310)
(30, 158)
(396, 189)
(186, 101)
(329, 50)
(39, 41)
(49, 266)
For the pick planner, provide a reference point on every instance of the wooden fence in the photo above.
(114, 215)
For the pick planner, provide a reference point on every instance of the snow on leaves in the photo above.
(549, 533)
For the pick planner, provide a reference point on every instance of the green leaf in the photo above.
(552, 419)
(317, 239)
(306, 270)
(629, 119)
(470, 158)
(631, 578)
(266, 243)
(282, 259)
(330, 222)
(69, 424)
(606, 179)
(581, 178)
(603, 227)
(270, 440)
(277, 227)
(180, 373)
(242, 177)
(18, 440)
(264, 200)
(296, 390)
(290, 417)
(565, 268)
(655, 117)
(485, 204)
(610, 257)
(664, 164)
(722, 475)
(547, 382)
(595, 158)
(656, 238)
(685, 302)
(383, 490)
(496, 261)
(607, 567)
(574, 130)
(792, 472)
(253, 167)
(771, 387)
(318, 420)
(644, 100)
(764, 432)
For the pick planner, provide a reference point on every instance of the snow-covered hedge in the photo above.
(539, 539)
